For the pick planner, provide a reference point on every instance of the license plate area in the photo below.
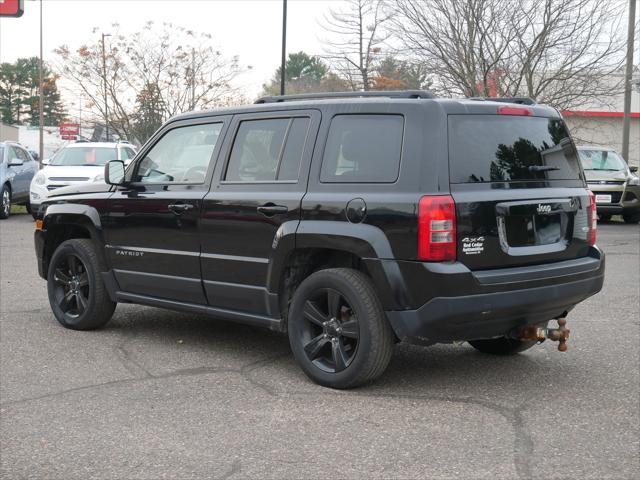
(535, 227)
(530, 230)
(603, 198)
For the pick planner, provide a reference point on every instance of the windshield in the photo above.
(601, 160)
(500, 148)
(84, 156)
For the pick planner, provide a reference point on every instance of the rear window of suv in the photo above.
(501, 148)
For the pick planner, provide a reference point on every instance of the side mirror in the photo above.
(34, 155)
(114, 172)
(633, 168)
(45, 161)
(15, 162)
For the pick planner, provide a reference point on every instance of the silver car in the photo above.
(17, 168)
(614, 183)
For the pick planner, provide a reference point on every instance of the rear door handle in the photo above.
(179, 208)
(270, 209)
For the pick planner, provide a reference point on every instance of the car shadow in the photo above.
(412, 368)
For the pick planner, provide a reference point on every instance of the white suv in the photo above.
(77, 163)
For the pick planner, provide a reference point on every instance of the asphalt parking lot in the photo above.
(159, 394)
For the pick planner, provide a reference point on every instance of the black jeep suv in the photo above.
(350, 221)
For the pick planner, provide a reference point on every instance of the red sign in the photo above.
(69, 129)
(69, 137)
(11, 8)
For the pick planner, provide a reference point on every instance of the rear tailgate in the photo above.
(519, 191)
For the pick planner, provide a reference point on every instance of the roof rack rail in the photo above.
(332, 95)
(518, 100)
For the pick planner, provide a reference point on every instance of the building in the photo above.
(601, 123)
(8, 133)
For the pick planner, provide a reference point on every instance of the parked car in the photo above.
(76, 164)
(17, 168)
(614, 183)
(351, 221)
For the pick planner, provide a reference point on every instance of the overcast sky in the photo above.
(251, 29)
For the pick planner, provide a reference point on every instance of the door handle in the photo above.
(270, 209)
(179, 208)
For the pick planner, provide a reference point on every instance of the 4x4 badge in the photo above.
(472, 245)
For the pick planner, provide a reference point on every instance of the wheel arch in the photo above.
(318, 245)
(63, 222)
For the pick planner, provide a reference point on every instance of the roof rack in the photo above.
(519, 100)
(332, 95)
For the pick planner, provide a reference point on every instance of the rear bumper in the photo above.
(491, 303)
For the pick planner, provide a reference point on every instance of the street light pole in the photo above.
(284, 46)
(104, 78)
(626, 124)
(41, 97)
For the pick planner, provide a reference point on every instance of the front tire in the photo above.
(5, 202)
(77, 295)
(338, 331)
(502, 345)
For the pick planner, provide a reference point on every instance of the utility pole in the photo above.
(284, 46)
(626, 125)
(41, 97)
(104, 77)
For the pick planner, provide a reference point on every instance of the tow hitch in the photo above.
(560, 334)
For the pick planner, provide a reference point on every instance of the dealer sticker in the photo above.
(472, 245)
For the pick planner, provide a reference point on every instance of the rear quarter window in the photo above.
(363, 149)
(502, 148)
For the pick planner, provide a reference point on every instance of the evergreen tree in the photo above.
(19, 96)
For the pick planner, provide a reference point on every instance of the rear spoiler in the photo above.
(518, 100)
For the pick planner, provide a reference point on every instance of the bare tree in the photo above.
(357, 36)
(560, 52)
(164, 69)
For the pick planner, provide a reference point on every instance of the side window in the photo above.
(124, 153)
(363, 149)
(267, 150)
(130, 153)
(22, 155)
(182, 155)
(11, 153)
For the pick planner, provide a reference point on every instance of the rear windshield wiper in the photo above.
(542, 168)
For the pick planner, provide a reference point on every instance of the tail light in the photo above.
(593, 218)
(437, 229)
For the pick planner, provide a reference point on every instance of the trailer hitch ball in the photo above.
(560, 334)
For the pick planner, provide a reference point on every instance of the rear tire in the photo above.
(5, 202)
(631, 218)
(338, 331)
(502, 345)
(77, 295)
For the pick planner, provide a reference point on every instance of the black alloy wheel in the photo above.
(338, 331)
(331, 331)
(71, 291)
(77, 294)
